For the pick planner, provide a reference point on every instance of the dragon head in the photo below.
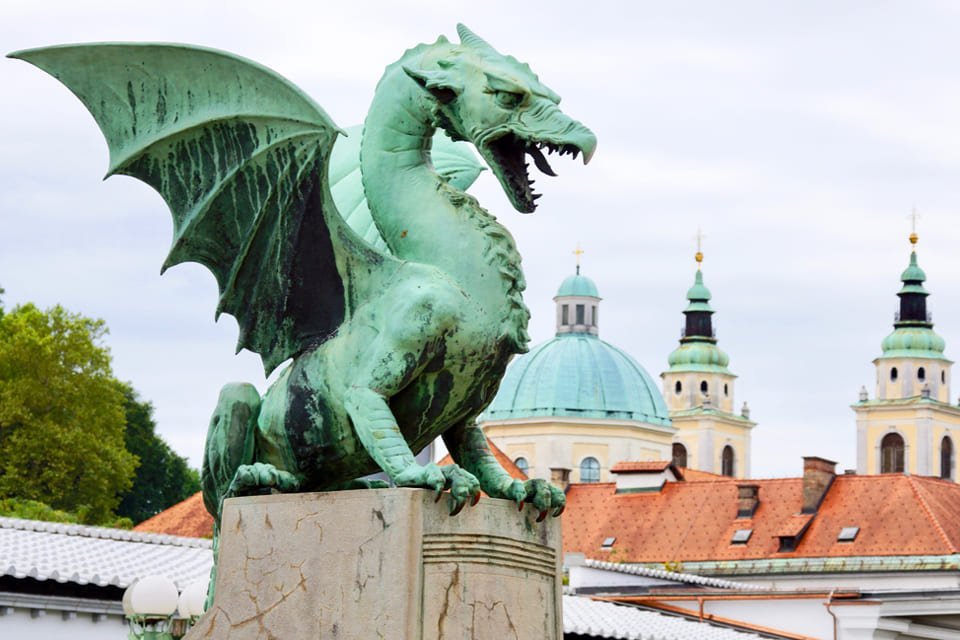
(500, 106)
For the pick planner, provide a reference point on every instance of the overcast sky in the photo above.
(798, 135)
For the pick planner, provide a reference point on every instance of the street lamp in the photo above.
(150, 604)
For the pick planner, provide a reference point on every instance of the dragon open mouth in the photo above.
(507, 158)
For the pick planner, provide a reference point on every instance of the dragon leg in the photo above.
(377, 430)
(229, 466)
(468, 446)
(410, 337)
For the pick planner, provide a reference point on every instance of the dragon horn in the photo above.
(471, 39)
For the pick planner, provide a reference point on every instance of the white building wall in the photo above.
(32, 624)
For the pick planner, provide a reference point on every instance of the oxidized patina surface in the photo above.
(389, 349)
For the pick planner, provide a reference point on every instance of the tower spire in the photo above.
(913, 296)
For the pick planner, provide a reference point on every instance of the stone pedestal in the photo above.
(386, 564)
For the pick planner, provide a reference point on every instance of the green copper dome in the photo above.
(578, 375)
(698, 295)
(699, 356)
(913, 272)
(913, 342)
(578, 285)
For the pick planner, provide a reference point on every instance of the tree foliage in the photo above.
(163, 478)
(61, 414)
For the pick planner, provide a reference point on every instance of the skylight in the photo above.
(740, 536)
(848, 534)
(608, 543)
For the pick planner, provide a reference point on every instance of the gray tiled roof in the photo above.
(607, 620)
(96, 555)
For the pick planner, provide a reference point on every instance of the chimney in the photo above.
(818, 475)
(560, 477)
(748, 499)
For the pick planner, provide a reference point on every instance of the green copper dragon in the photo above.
(390, 346)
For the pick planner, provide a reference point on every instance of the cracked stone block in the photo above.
(383, 563)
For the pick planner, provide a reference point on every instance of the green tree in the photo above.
(163, 478)
(61, 414)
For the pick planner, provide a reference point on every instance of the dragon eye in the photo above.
(508, 99)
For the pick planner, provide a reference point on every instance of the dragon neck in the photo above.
(423, 219)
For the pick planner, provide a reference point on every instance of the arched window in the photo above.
(523, 465)
(726, 389)
(921, 374)
(946, 458)
(891, 453)
(727, 462)
(590, 470)
(704, 387)
(679, 455)
(893, 374)
(943, 377)
(677, 388)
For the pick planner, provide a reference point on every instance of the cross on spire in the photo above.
(914, 216)
(699, 255)
(578, 252)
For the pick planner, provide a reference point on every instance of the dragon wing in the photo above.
(241, 156)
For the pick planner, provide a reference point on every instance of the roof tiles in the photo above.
(95, 555)
(694, 521)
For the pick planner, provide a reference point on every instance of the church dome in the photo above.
(913, 342)
(578, 375)
(578, 286)
(698, 356)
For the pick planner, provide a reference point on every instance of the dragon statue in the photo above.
(394, 341)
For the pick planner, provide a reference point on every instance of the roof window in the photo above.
(848, 534)
(607, 543)
(740, 536)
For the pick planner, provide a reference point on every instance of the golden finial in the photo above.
(913, 227)
(699, 255)
(578, 252)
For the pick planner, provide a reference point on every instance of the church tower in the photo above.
(910, 425)
(698, 389)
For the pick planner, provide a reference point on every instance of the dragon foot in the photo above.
(463, 485)
(250, 478)
(539, 493)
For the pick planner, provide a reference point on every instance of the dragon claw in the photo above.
(476, 499)
(559, 510)
(543, 515)
(456, 505)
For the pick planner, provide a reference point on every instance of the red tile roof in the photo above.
(694, 521)
(695, 474)
(187, 518)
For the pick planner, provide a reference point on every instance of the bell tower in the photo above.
(698, 390)
(909, 425)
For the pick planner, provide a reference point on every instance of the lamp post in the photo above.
(150, 604)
